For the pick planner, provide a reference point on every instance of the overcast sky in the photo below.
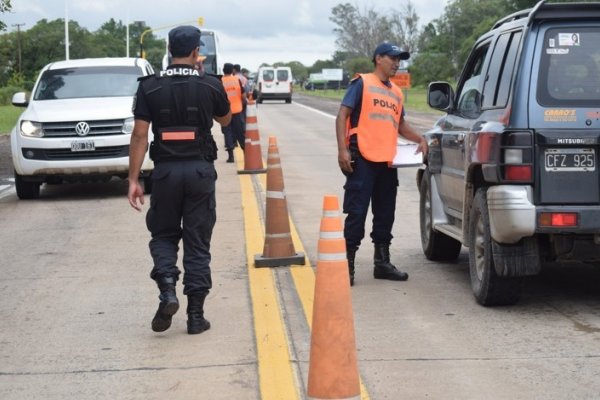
(251, 31)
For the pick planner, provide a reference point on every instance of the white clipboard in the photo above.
(406, 157)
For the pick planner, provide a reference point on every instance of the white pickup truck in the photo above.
(77, 125)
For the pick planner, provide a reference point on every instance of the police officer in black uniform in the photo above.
(180, 103)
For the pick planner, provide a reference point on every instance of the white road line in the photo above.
(314, 109)
(6, 190)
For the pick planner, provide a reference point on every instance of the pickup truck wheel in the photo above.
(436, 245)
(26, 190)
(489, 289)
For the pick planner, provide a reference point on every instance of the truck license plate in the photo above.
(87, 145)
(559, 160)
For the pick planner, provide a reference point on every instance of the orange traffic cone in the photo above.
(252, 155)
(333, 368)
(279, 248)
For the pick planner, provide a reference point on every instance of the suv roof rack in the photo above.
(512, 17)
(580, 10)
(544, 10)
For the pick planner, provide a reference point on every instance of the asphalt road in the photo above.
(77, 300)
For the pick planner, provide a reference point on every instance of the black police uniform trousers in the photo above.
(182, 206)
(234, 132)
(375, 183)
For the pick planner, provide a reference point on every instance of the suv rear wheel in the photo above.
(489, 288)
(436, 245)
(26, 190)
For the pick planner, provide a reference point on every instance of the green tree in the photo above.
(431, 66)
(445, 43)
(321, 64)
(5, 6)
(361, 31)
(154, 49)
(359, 65)
(110, 40)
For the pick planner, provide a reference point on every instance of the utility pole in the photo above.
(19, 45)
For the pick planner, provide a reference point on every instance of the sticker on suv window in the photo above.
(557, 51)
(568, 39)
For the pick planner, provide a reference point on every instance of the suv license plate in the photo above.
(559, 160)
(87, 145)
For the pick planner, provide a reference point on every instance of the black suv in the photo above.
(511, 172)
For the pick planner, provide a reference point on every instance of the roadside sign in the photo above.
(402, 79)
(333, 74)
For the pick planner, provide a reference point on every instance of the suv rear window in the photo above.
(73, 83)
(569, 73)
(282, 75)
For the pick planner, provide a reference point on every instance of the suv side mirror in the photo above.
(440, 96)
(20, 99)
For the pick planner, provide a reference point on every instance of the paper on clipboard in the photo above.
(406, 157)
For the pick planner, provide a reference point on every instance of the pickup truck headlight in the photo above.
(128, 126)
(31, 129)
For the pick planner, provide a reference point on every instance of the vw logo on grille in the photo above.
(82, 128)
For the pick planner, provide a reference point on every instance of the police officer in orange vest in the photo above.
(180, 104)
(234, 133)
(368, 123)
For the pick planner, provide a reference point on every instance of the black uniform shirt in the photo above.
(210, 96)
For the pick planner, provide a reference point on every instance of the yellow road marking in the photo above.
(304, 280)
(276, 375)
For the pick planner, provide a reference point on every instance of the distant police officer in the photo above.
(234, 132)
(181, 103)
(368, 123)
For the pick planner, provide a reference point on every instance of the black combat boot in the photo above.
(195, 310)
(350, 255)
(230, 158)
(168, 305)
(384, 269)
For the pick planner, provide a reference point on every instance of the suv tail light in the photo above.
(555, 220)
(516, 157)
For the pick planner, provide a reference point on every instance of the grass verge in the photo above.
(415, 99)
(8, 118)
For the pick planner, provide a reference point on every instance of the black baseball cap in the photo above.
(392, 50)
(184, 39)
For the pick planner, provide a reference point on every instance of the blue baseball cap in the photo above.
(392, 50)
(184, 39)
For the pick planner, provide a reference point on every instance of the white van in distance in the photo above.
(274, 83)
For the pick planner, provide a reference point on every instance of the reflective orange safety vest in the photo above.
(379, 119)
(234, 93)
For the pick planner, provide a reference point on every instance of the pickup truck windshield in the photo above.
(83, 82)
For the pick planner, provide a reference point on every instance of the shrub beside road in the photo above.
(8, 118)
